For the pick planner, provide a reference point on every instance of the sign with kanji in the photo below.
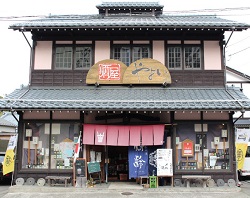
(111, 71)
(187, 148)
(164, 162)
(142, 71)
(107, 71)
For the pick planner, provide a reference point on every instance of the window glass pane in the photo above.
(174, 57)
(63, 138)
(36, 146)
(40, 153)
(63, 58)
(83, 57)
(122, 54)
(139, 53)
(192, 57)
(202, 154)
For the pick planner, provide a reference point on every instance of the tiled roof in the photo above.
(4, 122)
(238, 73)
(125, 98)
(96, 21)
(129, 5)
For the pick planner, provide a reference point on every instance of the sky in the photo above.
(15, 51)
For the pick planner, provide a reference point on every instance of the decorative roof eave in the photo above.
(126, 105)
(109, 98)
(129, 5)
(143, 28)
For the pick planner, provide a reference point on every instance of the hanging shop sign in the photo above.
(138, 162)
(187, 148)
(142, 71)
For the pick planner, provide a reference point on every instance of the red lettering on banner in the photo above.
(109, 71)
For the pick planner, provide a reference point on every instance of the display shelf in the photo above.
(188, 164)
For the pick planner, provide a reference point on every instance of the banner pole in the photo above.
(12, 175)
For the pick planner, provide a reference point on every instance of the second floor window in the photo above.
(73, 57)
(187, 57)
(128, 54)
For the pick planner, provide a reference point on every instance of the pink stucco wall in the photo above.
(43, 55)
(158, 51)
(212, 55)
(102, 50)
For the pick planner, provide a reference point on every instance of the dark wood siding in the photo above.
(58, 78)
(184, 78)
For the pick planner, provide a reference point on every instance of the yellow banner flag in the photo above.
(9, 162)
(241, 149)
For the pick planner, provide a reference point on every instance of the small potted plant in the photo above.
(90, 183)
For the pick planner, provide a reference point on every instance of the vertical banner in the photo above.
(152, 160)
(164, 162)
(241, 143)
(138, 162)
(9, 158)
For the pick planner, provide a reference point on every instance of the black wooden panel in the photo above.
(183, 78)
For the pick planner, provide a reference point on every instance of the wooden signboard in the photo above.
(146, 71)
(94, 167)
(107, 71)
(142, 71)
(187, 148)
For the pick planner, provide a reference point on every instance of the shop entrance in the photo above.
(118, 163)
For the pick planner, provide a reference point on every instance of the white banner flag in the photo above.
(242, 135)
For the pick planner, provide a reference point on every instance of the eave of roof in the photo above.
(164, 22)
(129, 5)
(124, 98)
(238, 73)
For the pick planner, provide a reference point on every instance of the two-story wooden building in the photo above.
(129, 79)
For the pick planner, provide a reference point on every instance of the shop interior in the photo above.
(118, 163)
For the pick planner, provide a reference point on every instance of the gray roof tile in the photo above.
(124, 98)
(96, 21)
(129, 5)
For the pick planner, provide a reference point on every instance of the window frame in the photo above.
(131, 48)
(73, 56)
(183, 59)
(49, 135)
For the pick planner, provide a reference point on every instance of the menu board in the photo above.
(164, 162)
(80, 167)
(94, 167)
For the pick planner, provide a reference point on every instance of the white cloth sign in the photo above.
(164, 162)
